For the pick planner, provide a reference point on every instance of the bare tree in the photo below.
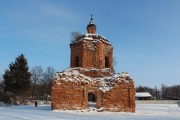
(1, 77)
(1, 89)
(1, 83)
(115, 62)
(170, 92)
(47, 81)
(37, 75)
(163, 91)
(74, 36)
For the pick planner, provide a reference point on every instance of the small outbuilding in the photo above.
(143, 96)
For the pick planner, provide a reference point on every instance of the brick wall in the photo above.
(91, 54)
(70, 91)
(68, 95)
(120, 98)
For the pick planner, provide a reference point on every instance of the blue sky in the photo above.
(145, 34)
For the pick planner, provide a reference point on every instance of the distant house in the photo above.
(143, 96)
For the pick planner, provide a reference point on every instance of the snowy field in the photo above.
(44, 112)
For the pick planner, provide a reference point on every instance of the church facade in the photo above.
(91, 78)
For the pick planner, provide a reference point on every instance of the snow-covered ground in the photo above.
(44, 112)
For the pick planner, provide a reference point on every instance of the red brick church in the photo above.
(91, 78)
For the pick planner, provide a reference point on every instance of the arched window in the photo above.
(106, 62)
(77, 62)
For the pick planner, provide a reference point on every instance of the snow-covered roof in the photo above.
(143, 94)
(106, 83)
(91, 37)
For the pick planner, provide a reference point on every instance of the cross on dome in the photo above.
(91, 21)
(91, 27)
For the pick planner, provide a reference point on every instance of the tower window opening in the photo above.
(77, 62)
(106, 62)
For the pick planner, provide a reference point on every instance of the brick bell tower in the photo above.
(91, 50)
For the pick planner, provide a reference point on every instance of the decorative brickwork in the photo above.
(91, 78)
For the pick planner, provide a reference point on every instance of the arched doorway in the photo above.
(91, 100)
(91, 97)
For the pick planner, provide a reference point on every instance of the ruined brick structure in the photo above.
(91, 78)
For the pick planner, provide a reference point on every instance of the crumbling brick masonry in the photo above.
(91, 78)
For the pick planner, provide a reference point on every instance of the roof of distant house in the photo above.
(143, 94)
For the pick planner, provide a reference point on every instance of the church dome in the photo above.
(91, 27)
